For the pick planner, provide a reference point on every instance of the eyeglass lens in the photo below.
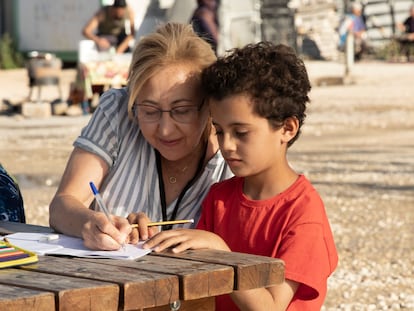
(182, 114)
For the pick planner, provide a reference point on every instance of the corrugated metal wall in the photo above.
(382, 16)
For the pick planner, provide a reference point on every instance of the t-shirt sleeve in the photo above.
(307, 246)
(100, 136)
(206, 221)
(306, 257)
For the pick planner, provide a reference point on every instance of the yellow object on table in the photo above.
(11, 255)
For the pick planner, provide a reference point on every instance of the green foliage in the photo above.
(384, 53)
(9, 57)
(389, 52)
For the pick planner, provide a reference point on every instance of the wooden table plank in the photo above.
(8, 227)
(251, 271)
(14, 298)
(139, 288)
(203, 304)
(197, 279)
(72, 293)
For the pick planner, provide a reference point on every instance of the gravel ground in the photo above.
(357, 148)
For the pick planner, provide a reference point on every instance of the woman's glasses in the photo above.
(182, 114)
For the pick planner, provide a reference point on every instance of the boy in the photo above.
(257, 97)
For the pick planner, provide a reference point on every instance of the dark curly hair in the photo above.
(272, 75)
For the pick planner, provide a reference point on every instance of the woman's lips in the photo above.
(170, 142)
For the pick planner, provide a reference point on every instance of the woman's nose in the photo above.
(166, 124)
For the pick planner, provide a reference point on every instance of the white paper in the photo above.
(71, 246)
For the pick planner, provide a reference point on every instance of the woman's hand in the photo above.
(103, 43)
(101, 234)
(183, 239)
(143, 232)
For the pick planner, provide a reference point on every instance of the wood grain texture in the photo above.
(250, 271)
(197, 279)
(8, 227)
(14, 298)
(203, 304)
(72, 293)
(139, 288)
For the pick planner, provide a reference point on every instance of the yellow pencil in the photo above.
(164, 223)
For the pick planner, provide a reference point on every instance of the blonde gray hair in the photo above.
(171, 43)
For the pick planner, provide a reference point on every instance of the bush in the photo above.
(9, 57)
(389, 52)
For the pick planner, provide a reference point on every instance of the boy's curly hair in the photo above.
(272, 75)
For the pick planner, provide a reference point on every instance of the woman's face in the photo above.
(174, 134)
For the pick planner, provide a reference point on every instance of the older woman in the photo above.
(148, 147)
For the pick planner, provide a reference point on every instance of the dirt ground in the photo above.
(357, 147)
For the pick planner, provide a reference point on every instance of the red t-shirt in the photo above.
(291, 226)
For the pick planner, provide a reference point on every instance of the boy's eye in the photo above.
(218, 132)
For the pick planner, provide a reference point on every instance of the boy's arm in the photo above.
(273, 298)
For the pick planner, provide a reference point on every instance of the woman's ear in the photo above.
(290, 128)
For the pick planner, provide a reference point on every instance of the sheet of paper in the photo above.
(71, 246)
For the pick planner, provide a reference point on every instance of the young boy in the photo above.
(257, 96)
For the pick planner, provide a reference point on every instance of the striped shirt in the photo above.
(132, 182)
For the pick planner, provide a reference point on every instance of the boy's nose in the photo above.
(227, 143)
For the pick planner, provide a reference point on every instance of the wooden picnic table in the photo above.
(154, 282)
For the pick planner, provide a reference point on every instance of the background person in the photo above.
(205, 21)
(354, 23)
(148, 147)
(406, 39)
(257, 97)
(108, 27)
(407, 27)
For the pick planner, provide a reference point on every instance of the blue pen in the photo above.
(100, 201)
(102, 205)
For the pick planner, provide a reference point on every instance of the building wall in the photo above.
(6, 17)
(316, 25)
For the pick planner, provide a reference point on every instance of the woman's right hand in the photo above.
(99, 233)
(143, 232)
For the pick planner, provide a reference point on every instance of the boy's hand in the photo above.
(183, 239)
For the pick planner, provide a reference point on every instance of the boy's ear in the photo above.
(290, 128)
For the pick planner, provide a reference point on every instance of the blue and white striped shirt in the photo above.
(132, 183)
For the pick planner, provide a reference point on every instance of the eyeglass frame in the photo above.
(161, 111)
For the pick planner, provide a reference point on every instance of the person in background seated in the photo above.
(205, 21)
(112, 26)
(406, 39)
(407, 27)
(354, 23)
(11, 200)
(257, 97)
